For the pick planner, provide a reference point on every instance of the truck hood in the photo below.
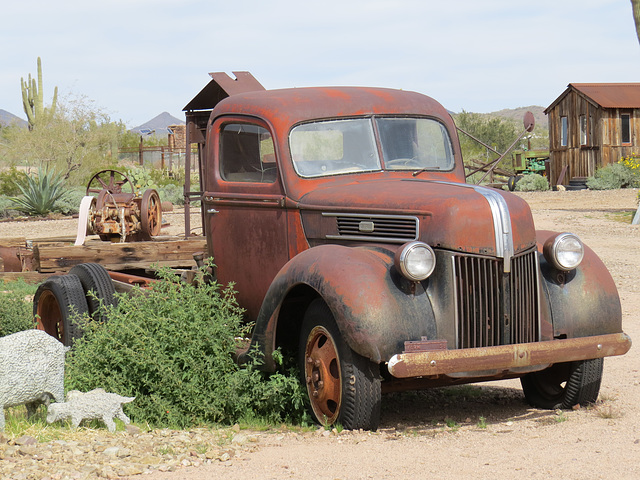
(455, 216)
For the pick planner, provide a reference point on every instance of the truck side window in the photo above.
(247, 154)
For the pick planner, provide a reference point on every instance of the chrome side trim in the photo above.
(501, 224)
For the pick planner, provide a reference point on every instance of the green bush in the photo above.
(532, 183)
(16, 308)
(613, 176)
(69, 203)
(171, 193)
(172, 348)
(7, 208)
(9, 181)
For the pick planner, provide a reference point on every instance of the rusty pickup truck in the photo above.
(355, 244)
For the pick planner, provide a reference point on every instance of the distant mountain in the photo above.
(7, 118)
(517, 114)
(158, 125)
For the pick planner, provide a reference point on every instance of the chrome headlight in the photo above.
(415, 260)
(564, 251)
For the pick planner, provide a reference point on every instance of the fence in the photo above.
(169, 158)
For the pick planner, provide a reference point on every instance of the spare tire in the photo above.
(98, 287)
(58, 302)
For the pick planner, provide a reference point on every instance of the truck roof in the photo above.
(295, 105)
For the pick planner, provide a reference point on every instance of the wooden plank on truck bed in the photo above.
(118, 256)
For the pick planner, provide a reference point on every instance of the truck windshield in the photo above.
(336, 147)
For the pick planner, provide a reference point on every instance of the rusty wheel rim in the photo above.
(49, 316)
(151, 213)
(106, 180)
(322, 375)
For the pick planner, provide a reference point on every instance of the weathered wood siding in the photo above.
(604, 142)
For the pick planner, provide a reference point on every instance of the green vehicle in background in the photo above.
(526, 162)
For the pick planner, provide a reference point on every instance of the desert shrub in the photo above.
(532, 183)
(172, 348)
(7, 207)
(9, 181)
(623, 174)
(171, 193)
(69, 203)
(16, 310)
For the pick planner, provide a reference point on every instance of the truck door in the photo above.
(245, 219)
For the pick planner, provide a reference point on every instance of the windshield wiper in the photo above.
(424, 169)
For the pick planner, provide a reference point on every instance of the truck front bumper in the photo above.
(507, 357)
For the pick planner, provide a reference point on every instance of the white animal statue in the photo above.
(96, 404)
(31, 370)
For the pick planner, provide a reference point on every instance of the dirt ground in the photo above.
(487, 430)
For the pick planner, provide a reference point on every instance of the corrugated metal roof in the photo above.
(611, 95)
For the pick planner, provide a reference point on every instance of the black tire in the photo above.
(564, 385)
(95, 278)
(343, 387)
(56, 304)
(512, 181)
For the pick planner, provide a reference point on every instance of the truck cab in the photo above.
(343, 217)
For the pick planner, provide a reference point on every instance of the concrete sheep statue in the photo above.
(96, 404)
(31, 370)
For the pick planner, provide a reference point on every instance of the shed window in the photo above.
(564, 127)
(583, 129)
(625, 128)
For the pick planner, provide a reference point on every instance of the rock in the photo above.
(111, 451)
(239, 439)
(25, 440)
(132, 430)
(27, 450)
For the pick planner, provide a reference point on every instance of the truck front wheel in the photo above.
(343, 386)
(564, 385)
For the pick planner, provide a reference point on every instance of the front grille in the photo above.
(493, 307)
(377, 228)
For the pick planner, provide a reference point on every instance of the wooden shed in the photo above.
(592, 125)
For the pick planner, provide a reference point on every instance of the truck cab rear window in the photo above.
(247, 154)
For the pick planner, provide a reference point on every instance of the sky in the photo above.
(135, 59)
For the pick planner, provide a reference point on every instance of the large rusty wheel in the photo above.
(151, 211)
(110, 180)
(343, 387)
(322, 375)
(57, 302)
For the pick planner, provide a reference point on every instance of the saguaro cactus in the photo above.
(33, 99)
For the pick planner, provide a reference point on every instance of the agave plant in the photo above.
(39, 192)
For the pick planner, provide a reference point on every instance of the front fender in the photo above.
(376, 309)
(583, 302)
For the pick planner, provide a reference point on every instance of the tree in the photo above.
(78, 140)
(635, 5)
(498, 133)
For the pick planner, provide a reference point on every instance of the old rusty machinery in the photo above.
(119, 213)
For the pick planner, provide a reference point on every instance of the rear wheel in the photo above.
(564, 385)
(343, 386)
(56, 304)
(97, 286)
